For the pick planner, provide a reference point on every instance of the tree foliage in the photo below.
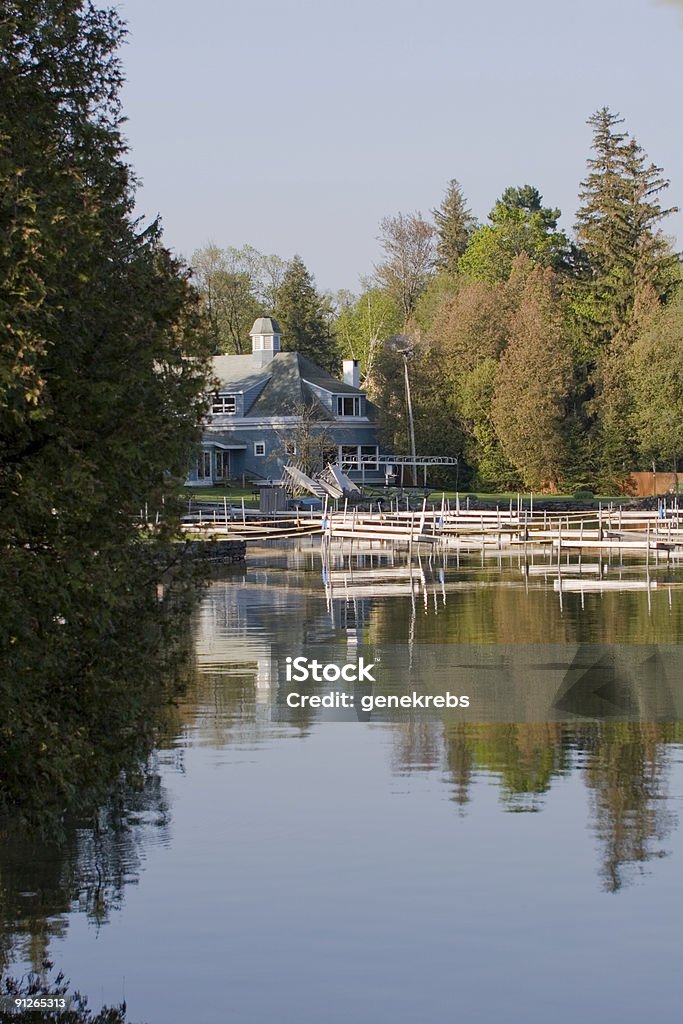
(617, 227)
(533, 386)
(362, 327)
(655, 369)
(102, 369)
(519, 223)
(235, 287)
(305, 318)
(454, 225)
(408, 244)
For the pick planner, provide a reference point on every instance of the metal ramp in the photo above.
(337, 479)
(295, 479)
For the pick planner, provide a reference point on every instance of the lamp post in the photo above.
(402, 344)
(411, 424)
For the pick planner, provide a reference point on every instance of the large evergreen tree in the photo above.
(454, 225)
(618, 229)
(304, 320)
(101, 373)
(631, 271)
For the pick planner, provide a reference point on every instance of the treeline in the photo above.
(539, 359)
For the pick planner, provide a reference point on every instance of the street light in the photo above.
(404, 346)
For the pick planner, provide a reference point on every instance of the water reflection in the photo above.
(571, 689)
(588, 685)
(43, 882)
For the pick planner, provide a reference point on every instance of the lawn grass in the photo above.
(234, 495)
(505, 497)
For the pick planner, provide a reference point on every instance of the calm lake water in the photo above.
(520, 859)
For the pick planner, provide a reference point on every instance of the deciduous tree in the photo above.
(409, 249)
(533, 386)
(519, 223)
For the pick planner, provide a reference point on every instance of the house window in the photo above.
(368, 455)
(290, 448)
(259, 448)
(222, 465)
(348, 405)
(224, 404)
(348, 456)
(204, 466)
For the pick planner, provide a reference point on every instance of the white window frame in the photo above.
(220, 403)
(356, 405)
(290, 448)
(259, 449)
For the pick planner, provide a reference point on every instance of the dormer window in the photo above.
(224, 405)
(349, 405)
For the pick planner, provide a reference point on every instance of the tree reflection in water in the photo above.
(624, 765)
(81, 796)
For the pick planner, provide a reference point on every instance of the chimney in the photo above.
(352, 372)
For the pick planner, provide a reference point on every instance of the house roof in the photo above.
(322, 379)
(283, 381)
(239, 372)
(286, 394)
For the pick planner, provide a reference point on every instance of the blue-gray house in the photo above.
(273, 408)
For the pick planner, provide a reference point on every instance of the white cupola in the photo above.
(265, 340)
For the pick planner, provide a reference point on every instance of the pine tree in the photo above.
(454, 225)
(617, 227)
(303, 318)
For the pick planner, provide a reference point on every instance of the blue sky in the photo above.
(296, 125)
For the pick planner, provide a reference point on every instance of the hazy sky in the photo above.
(296, 125)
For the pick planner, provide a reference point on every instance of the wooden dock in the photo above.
(449, 525)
